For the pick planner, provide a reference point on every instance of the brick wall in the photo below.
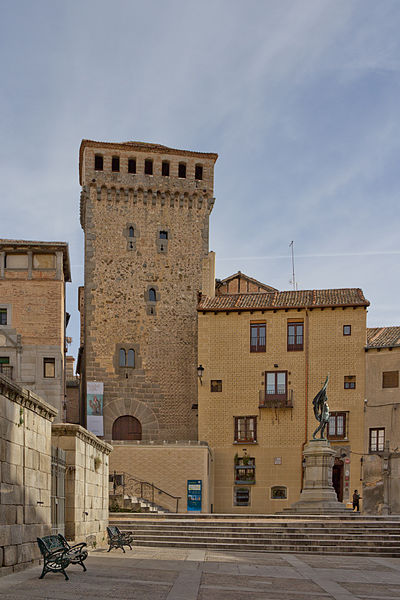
(168, 466)
(224, 352)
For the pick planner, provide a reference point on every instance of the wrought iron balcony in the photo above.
(275, 400)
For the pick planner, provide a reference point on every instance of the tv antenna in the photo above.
(293, 279)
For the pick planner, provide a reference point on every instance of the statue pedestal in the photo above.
(318, 495)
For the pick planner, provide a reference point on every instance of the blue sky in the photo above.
(299, 98)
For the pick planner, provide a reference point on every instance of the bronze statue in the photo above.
(321, 411)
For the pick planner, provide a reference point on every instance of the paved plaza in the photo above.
(184, 574)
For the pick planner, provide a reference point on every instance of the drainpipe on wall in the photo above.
(306, 373)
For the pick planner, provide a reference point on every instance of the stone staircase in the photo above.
(346, 535)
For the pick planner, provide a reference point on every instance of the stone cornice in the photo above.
(113, 193)
(26, 398)
(72, 430)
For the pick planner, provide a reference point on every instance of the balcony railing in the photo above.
(266, 401)
(6, 370)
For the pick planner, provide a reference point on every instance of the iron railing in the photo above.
(6, 370)
(269, 401)
(127, 485)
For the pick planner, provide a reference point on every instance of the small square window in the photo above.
(295, 336)
(98, 163)
(131, 165)
(390, 379)
(350, 382)
(182, 170)
(115, 164)
(148, 166)
(241, 497)
(198, 172)
(245, 429)
(337, 426)
(377, 439)
(245, 470)
(257, 337)
(278, 492)
(165, 168)
(346, 329)
(3, 316)
(49, 367)
(216, 385)
(163, 235)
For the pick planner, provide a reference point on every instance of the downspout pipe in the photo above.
(306, 376)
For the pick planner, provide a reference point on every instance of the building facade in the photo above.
(33, 317)
(381, 472)
(145, 213)
(265, 356)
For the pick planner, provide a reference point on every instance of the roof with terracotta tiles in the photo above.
(141, 146)
(383, 337)
(288, 299)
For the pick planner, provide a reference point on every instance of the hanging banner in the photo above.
(94, 407)
(194, 494)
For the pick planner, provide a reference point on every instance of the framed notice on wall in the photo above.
(94, 407)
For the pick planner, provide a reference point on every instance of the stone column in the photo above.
(318, 494)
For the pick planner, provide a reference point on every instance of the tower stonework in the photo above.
(145, 214)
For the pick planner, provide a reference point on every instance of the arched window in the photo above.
(131, 358)
(127, 428)
(152, 295)
(131, 232)
(122, 358)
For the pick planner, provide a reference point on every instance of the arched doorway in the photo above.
(337, 478)
(127, 428)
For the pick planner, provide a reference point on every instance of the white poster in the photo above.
(94, 407)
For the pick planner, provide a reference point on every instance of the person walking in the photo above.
(356, 501)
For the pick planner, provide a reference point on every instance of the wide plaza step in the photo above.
(346, 535)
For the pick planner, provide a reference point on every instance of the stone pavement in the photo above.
(184, 574)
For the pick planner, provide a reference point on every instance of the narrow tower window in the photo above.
(115, 164)
(182, 170)
(152, 295)
(131, 232)
(198, 172)
(148, 166)
(122, 358)
(165, 168)
(163, 235)
(132, 165)
(131, 358)
(98, 162)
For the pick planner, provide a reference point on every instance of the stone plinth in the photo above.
(318, 494)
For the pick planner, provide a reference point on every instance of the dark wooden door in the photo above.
(127, 428)
(337, 478)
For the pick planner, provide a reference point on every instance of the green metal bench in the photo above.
(119, 539)
(58, 554)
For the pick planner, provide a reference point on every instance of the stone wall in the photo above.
(25, 476)
(381, 484)
(86, 483)
(168, 466)
(120, 269)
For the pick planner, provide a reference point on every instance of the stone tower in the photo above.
(145, 213)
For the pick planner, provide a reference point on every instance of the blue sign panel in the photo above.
(194, 494)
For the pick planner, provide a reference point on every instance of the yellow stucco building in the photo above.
(265, 355)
